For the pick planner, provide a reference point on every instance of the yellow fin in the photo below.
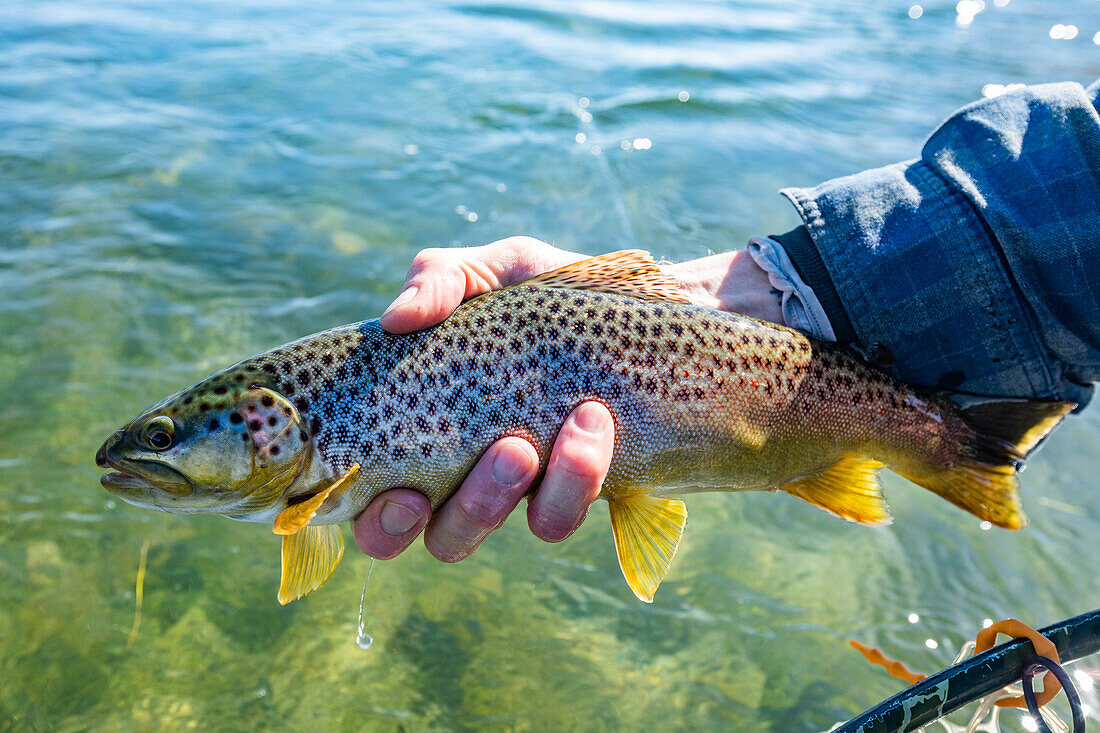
(296, 516)
(647, 532)
(982, 480)
(848, 488)
(310, 557)
(628, 272)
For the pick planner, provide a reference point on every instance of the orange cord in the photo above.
(894, 667)
(1043, 647)
(987, 637)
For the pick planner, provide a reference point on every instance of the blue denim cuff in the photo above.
(919, 274)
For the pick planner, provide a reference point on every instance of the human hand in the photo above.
(437, 282)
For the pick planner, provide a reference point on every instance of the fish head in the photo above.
(223, 446)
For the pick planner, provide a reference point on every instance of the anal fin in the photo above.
(647, 532)
(310, 557)
(848, 489)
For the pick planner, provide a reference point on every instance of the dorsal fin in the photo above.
(628, 272)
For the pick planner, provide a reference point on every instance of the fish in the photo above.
(304, 435)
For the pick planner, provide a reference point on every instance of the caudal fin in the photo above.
(983, 479)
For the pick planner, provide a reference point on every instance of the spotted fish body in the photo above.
(702, 401)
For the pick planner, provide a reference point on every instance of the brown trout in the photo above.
(305, 435)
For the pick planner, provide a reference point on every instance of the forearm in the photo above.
(729, 281)
(977, 266)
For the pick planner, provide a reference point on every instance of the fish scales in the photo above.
(306, 434)
(418, 410)
(694, 393)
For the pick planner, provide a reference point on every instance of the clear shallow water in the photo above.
(184, 186)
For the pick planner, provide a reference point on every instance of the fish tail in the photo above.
(997, 439)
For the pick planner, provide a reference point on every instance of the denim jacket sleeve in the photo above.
(978, 265)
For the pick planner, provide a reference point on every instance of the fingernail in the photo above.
(510, 465)
(397, 519)
(406, 295)
(591, 420)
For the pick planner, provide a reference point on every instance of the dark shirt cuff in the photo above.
(807, 261)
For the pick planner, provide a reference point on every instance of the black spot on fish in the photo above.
(213, 425)
(302, 404)
(267, 401)
(271, 420)
(315, 425)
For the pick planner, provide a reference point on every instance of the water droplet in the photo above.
(580, 137)
(986, 623)
(471, 217)
(110, 504)
(683, 96)
(501, 188)
(915, 11)
(1028, 723)
(262, 692)
(460, 210)
(642, 143)
(362, 639)
(412, 149)
(583, 102)
(931, 643)
(914, 618)
(625, 145)
(985, 526)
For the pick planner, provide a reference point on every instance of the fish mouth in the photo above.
(142, 477)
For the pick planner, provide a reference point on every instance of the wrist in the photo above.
(729, 281)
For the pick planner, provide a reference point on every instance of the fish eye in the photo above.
(157, 433)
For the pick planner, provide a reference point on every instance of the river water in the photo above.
(183, 185)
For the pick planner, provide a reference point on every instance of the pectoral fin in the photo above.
(647, 532)
(296, 516)
(310, 557)
(849, 489)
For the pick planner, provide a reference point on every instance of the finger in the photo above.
(576, 470)
(434, 287)
(391, 522)
(485, 499)
(440, 279)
